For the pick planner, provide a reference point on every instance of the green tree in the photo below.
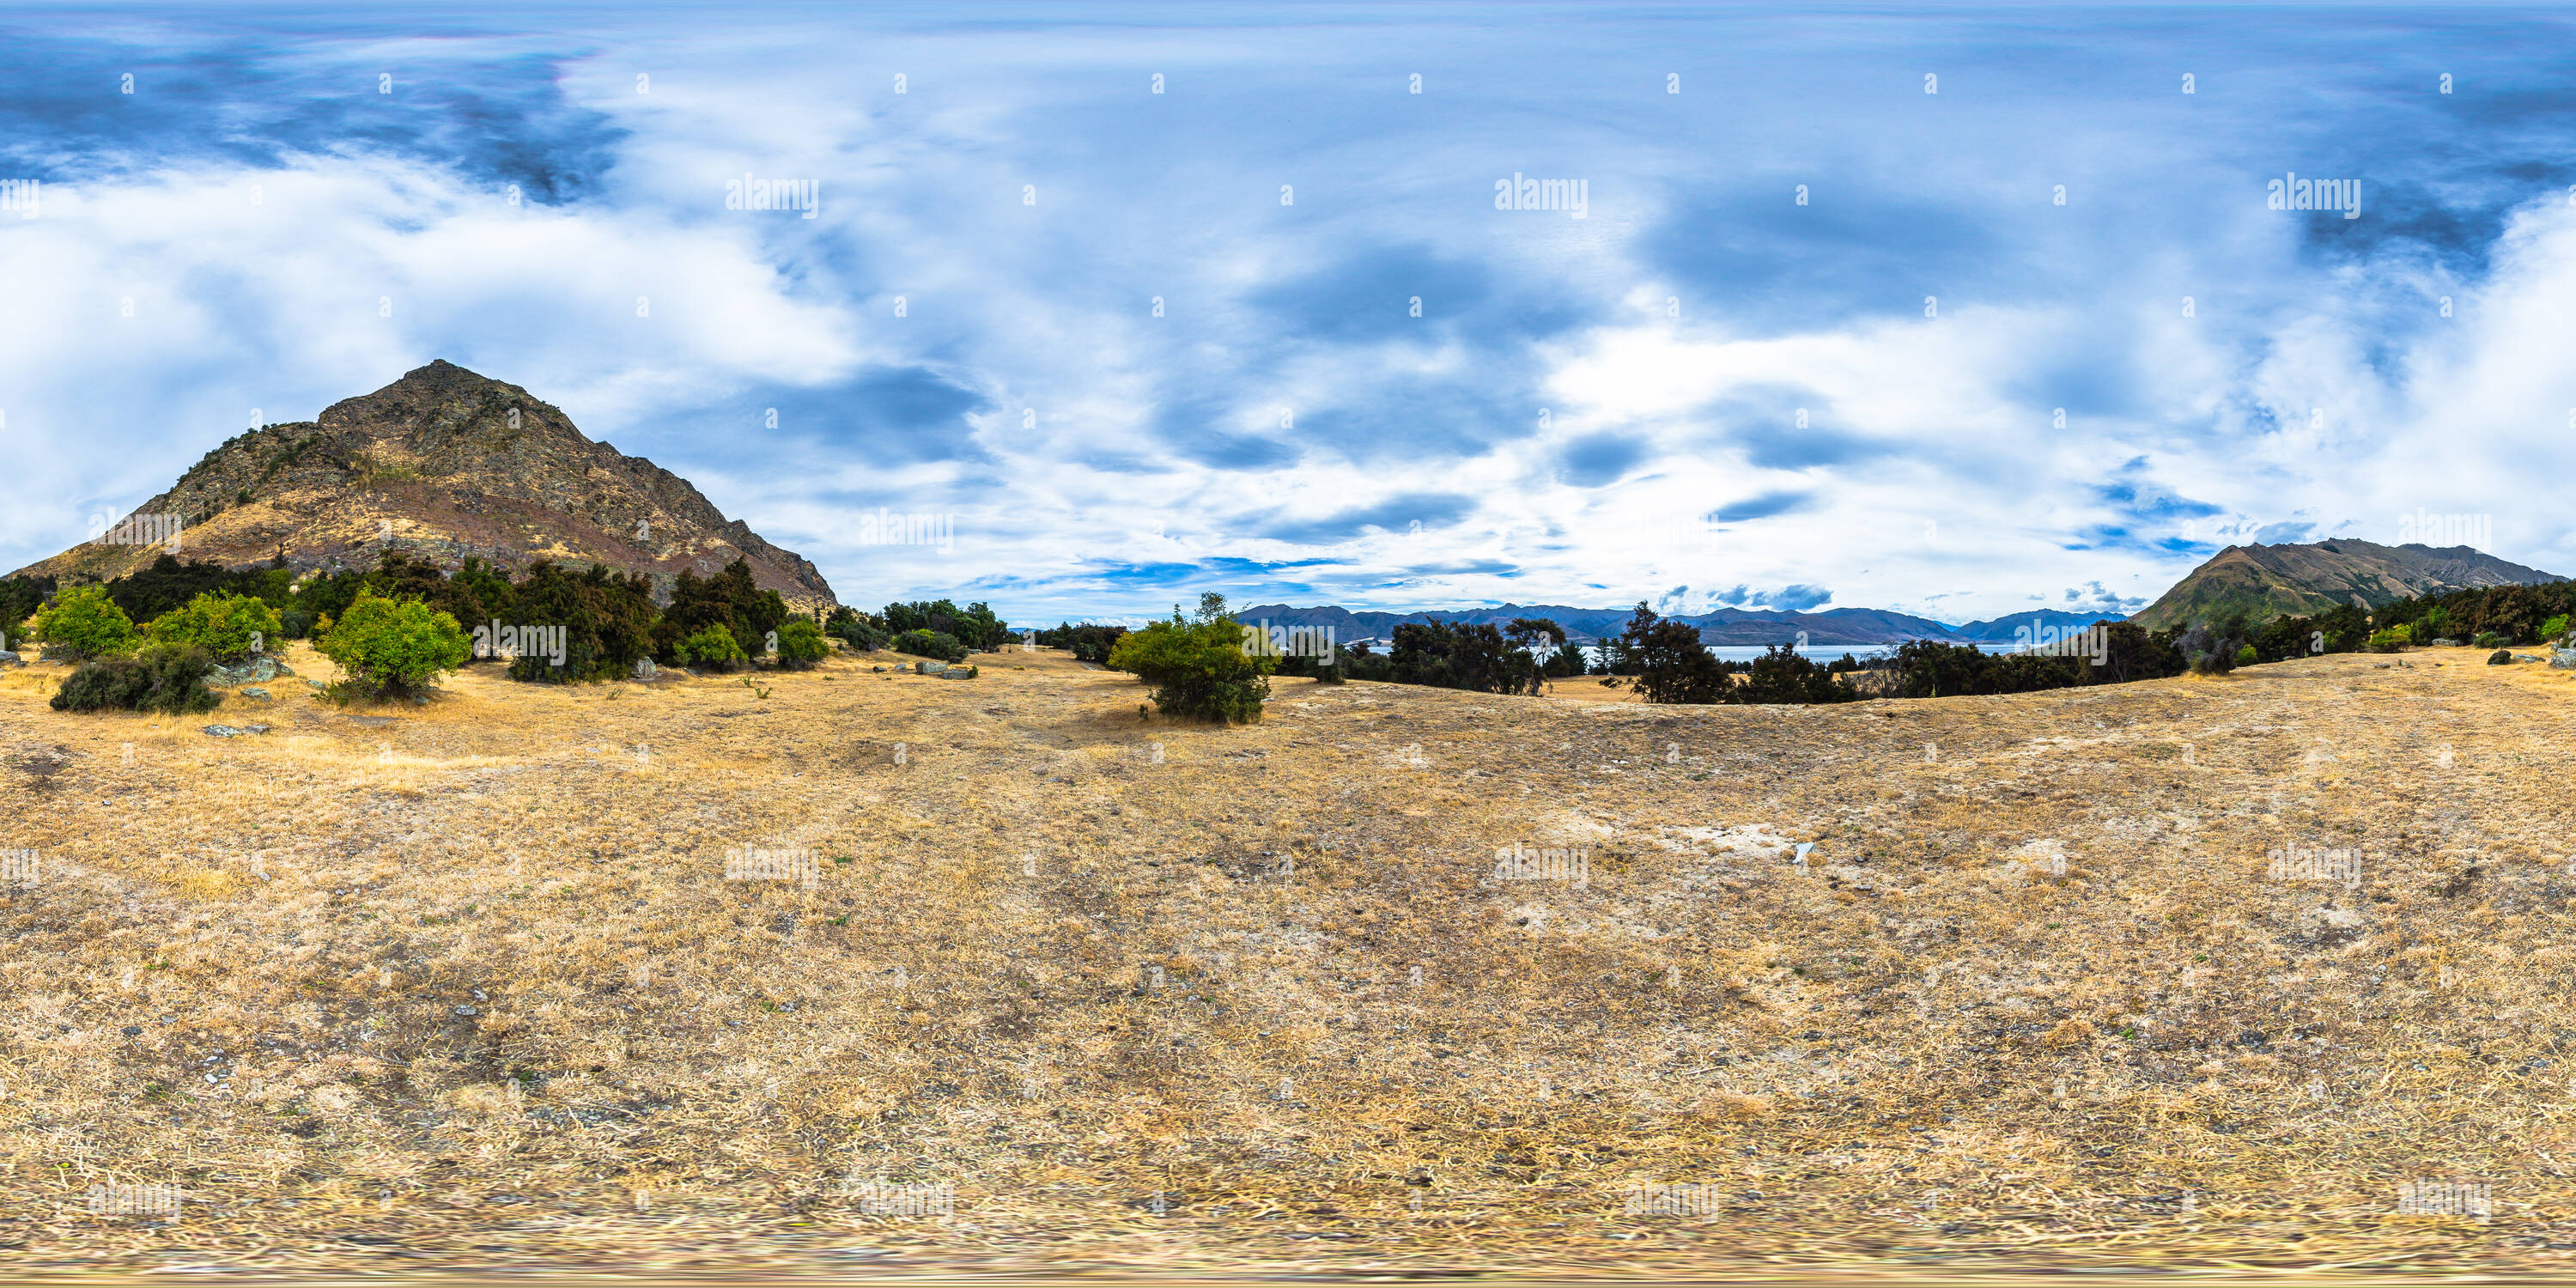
(1672, 664)
(228, 627)
(801, 644)
(394, 649)
(84, 623)
(1197, 665)
(713, 648)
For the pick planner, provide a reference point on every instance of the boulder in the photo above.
(2563, 658)
(2446, 642)
(8, 658)
(227, 731)
(952, 673)
(644, 669)
(254, 693)
(929, 668)
(316, 684)
(2501, 657)
(260, 668)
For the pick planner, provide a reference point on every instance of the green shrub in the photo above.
(394, 649)
(713, 648)
(166, 678)
(2487, 639)
(936, 645)
(228, 627)
(801, 644)
(2389, 640)
(858, 630)
(1198, 666)
(85, 623)
(2553, 630)
(2245, 656)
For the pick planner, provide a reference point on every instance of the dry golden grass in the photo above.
(2032, 1001)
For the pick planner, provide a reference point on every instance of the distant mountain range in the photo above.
(1858, 627)
(2265, 581)
(2268, 581)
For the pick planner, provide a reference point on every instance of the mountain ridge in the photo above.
(2303, 580)
(444, 464)
(1724, 627)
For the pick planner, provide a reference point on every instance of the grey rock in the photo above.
(2446, 643)
(316, 684)
(953, 673)
(929, 668)
(644, 669)
(2563, 659)
(8, 658)
(254, 693)
(228, 731)
(259, 669)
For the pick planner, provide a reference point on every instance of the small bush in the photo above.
(228, 627)
(2554, 630)
(166, 678)
(713, 648)
(394, 649)
(2488, 639)
(1198, 668)
(801, 644)
(2245, 656)
(2388, 641)
(85, 623)
(935, 645)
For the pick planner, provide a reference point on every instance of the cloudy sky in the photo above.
(2033, 338)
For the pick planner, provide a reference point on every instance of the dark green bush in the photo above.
(859, 630)
(1088, 642)
(930, 644)
(165, 678)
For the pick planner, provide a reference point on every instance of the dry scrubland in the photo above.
(1927, 1047)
